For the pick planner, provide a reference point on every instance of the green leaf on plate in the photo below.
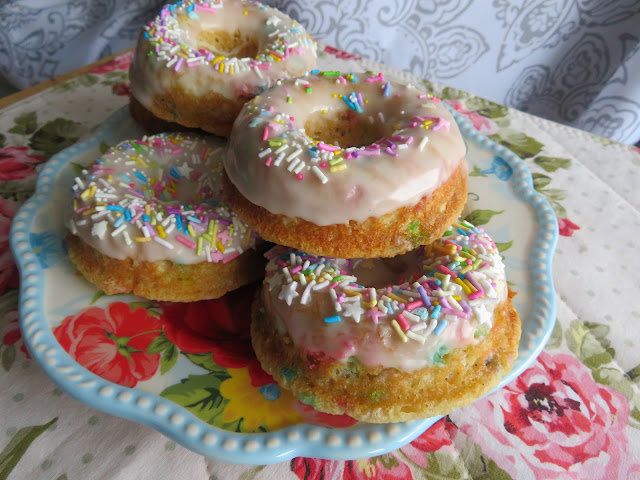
(200, 394)
(554, 193)
(540, 180)
(481, 217)
(8, 357)
(104, 146)
(24, 124)
(204, 360)
(159, 344)
(551, 164)
(503, 247)
(519, 143)
(477, 172)
(87, 80)
(56, 135)
(486, 108)
(18, 445)
(3, 140)
(169, 359)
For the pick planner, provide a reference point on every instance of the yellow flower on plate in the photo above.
(268, 405)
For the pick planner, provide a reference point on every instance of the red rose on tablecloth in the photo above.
(121, 62)
(122, 89)
(16, 163)
(8, 269)
(566, 227)
(112, 342)
(553, 421)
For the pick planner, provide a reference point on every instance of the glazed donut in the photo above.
(346, 165)
(199, 61)
(147, 217)
(346, 336)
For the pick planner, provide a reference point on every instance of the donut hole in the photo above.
(228, 44)
(345, 128)
(380, 272)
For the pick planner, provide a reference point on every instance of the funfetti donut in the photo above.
(148, 218)
(346, 165)
(199, 61)
(387, 340)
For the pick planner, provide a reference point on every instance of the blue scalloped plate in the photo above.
(500, 191)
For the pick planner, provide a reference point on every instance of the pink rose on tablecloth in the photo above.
(121, 62)
(112, 342)
(566, 227)
(554, 421)
(16, 163)
(484, 125)
(8, 269)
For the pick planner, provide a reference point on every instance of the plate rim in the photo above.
(178, 424)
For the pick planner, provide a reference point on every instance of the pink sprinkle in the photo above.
(476, 294)
(150, 229)
(82, 209)
(422, 95)
(341, 299)
(281, 263)
(265, 134)
(445, 270)
(333, 285)
(328, 148)
(323, 164)
(230, 257)
(375, 79)
(436, 99)
(185, 241)
(449, 242)
(454, 312)
(300, 176)
(403, 322)
(268, 162)
(341, 79)
(414, 305)
(135, 219)
(295, 270)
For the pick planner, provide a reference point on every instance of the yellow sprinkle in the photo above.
(366, 100)
(395, 297)
(337, 168)
(161, 232)
(153, 221)
(199, 246)
(456, 297)
(246, 13)
(335, 161)
(75, 204)
(147, 209)
(142, 239)
(213, 231)
(469, 285)
(457, 225)
(463, 285)
(221, 67)
(206, 236)
(466, 269)
(473, 252)
(220, 246)
(399, 331)
(90, 211)
(247, 237)
(110, 178)
(369, 304)
(232, 70)
(323, 111)
(352, 294)
(466, 255)
(191, 231)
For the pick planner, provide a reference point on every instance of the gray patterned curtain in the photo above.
(573, 61)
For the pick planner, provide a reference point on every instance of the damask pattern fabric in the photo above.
(573, 61)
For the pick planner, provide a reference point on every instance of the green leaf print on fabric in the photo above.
(551, 164)
(3, 140)
(25, 124)
(503, 247)
(9, 354)
(478, 464)
(56, 135)
(18, 445)
(200, 394)
(555, 341)
(204, 360)
(486, 108)
(169, 351)
(519, 143)
(104, 146)
(590, 344)
(481, 217)
(443, 465)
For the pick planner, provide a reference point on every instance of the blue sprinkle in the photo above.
(437, 282)
(314, 71)
(116, 208)
(389, 308)
(334, 319)
(436, 311)
(174, 173)
(442, 324)
(127, 215)
(145, 217)
(118, 221)
(430, 274)
(387, 87)
(179, 222)
(422, 312)
(349, 103)
(461, 231)
(462, 276)
(193, 219)
(126, 178)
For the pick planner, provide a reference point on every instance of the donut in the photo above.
(388, 340)
(346, 165)
(148, 218)
(199, 61)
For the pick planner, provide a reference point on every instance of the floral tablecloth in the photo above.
(575, 413)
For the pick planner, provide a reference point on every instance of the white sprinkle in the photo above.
(279, 159)
(294, 154)
(118, 230)
(418, 327)
(99, 229)
(163, 242)
(264, 152)
(320, 286)
(307, 292)
(287, 274)
(423, 142)
(282, 148)
(411, 316)
(299, 168)
(258, 72)
(127, 238)
(318, 173)
(293, 164)
(415, 336)
(432, 325)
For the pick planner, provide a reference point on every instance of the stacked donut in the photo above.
(377, 301)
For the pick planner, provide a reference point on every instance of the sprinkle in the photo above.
(399, 331)
(442, 324)
(185, 241)
(162, 242)
(416, 337)
(333, 319)
(402, 322)
(423, 143)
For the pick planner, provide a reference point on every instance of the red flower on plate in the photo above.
(566, 227)
(336, 52)
(16, 163)
(8, 269)
(112, 342)
(484, 125)
(122, 89)
(121, 62)
(553, 421)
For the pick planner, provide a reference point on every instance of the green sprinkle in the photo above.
(377, 395)
(338, 278)
(482, 331)
(307, 398)
(331, 73)
(447, 233)
(308, 90)
(438, 357)
(276, 142)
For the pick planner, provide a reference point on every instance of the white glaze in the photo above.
(370, 185)
(159, 65)
(301, 304)
(187, 164)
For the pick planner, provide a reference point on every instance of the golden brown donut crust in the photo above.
(164, 280)
(381, 395)
(391, 234)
